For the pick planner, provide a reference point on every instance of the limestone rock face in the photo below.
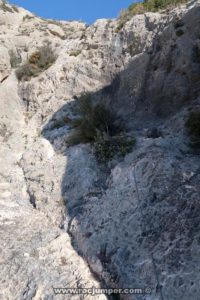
(65, 220)
(5, 67)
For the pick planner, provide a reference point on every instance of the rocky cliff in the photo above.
(65, 220)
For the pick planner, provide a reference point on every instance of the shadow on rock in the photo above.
(103, 212)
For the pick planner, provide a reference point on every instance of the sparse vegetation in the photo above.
(97, 125)
(59, 123)
(193, 126)
(15, 58)
(54, 22)
(126, 15)
(55, 33)
(107, 149)
(5, 7)
(75, 53)
(38, 62)
(27, 17)
(156, 5)
(146, 6)
(179, 32)
(15, 8)
(94, 119)
(134, 46)
(26, 71)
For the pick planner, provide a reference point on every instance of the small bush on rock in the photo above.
(43, 58)
(5, 7)
(107, 149)
(27, 17)
(99, 126)
(93, 119)
(126, 15)
(15, 8)
(26, 71)
(38, 62)
(193, 126)
(15, 58)
(75, 53)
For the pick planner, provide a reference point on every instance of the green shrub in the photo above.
(43, 58)
(38, 62)
(99, 126)
(93, 119)
(5, 7)
(126, 15)
(136, 9)
(193, 126)
(119, 26)
(146, 6)
(156, 5)
(107, 149)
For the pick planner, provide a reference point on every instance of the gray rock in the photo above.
(66, 221)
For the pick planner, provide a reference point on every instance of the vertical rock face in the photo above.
(65, 221)
(5, 67)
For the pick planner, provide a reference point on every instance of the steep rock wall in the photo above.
(134, 224)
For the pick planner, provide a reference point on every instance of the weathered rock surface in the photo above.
(65, 220)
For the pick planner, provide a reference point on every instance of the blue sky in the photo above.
(84, 10)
